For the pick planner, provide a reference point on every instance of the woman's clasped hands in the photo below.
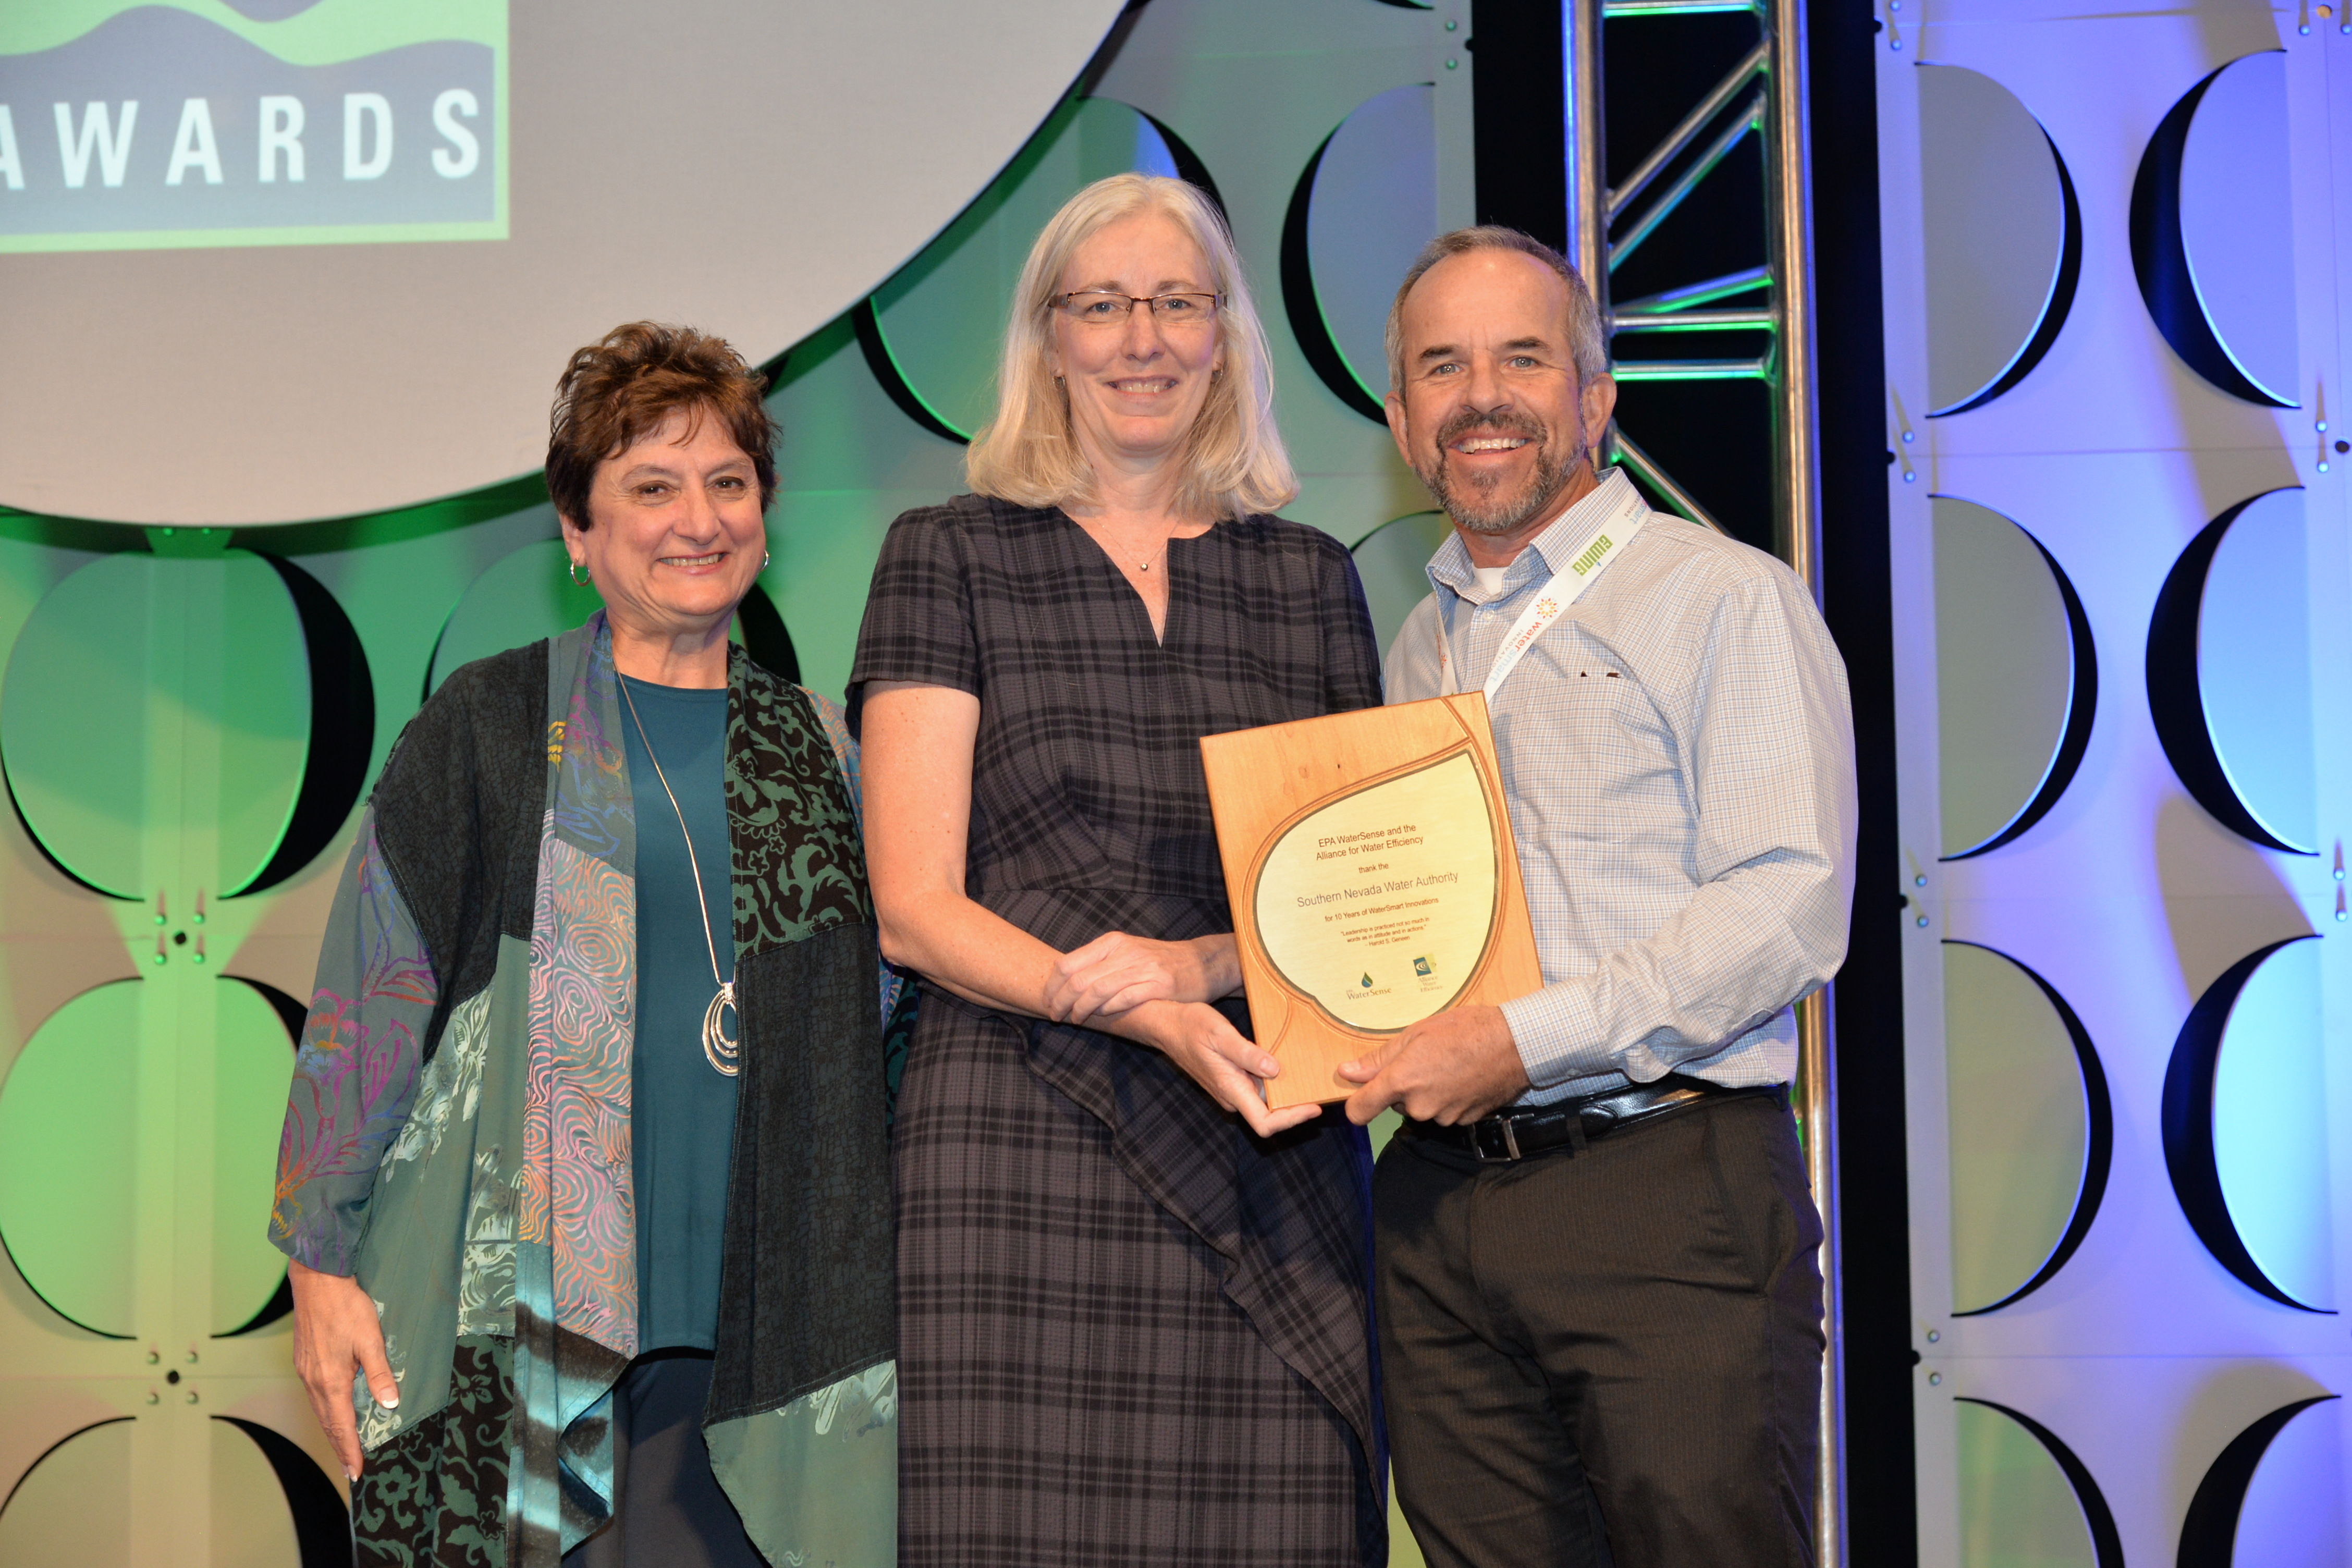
(1160, 992)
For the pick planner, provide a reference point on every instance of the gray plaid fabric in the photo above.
(1129, 1332)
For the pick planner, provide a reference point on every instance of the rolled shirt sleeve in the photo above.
(355, 1072)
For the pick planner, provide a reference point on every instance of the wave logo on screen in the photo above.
(131, 124)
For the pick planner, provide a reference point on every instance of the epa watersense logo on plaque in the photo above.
(132, 124)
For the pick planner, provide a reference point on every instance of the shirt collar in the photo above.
(1451, 566)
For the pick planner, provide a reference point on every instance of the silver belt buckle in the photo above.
(1510, 1142)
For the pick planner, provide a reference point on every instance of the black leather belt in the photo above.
(1573, 1123)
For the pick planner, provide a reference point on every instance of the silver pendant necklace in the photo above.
(716, 1048)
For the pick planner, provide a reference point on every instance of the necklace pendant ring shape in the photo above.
(716, 1048)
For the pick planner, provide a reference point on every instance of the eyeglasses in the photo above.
(1108, 308)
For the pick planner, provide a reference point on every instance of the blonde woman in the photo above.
(1132, 1301)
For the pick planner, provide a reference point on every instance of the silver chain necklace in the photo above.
(716, 1048)
(1145, 564)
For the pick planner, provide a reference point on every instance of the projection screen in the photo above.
(276, 260)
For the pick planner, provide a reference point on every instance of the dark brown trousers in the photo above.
(1628, 1335)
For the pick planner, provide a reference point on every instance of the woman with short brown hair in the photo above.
(584, 1178)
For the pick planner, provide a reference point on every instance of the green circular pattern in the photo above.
(2016, 1505)
(252, 1062)
(1373, 206)
(523, 597)
(528, 595)
(72, 1509)
(2006, 678)
(2021, 1125)
(250, 1523)
(941, 317)
(68, 1157)
(132, 646)
(1394, 562)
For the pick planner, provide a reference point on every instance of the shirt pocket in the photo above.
(1630, 763)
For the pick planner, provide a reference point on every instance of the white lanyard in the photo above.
(1591, 557)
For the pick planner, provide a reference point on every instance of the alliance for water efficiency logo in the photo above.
(131, 124)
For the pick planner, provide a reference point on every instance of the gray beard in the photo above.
(1477, 507)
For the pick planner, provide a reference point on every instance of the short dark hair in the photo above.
(618, 391)
(1587, 346)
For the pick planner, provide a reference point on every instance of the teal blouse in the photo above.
(682, 1115)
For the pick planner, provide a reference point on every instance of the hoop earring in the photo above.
(764, 559)
(579, 582)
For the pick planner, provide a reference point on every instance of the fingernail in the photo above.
(1267, 1067)
(350, 1474)
(390, 1404)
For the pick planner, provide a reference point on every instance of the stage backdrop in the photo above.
(2114, 242)
(284, 290)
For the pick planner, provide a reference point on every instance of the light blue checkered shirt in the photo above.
(1678, 753)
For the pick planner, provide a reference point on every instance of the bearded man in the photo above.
(1598, 1297)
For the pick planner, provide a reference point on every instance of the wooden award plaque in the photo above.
(1373, 878)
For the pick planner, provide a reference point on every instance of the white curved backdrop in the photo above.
(749, 168)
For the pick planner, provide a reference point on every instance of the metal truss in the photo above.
(1764, 96)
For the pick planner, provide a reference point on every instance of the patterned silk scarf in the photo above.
(576, 1254)
(515, 1145)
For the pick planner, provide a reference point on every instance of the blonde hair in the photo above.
(1233, 461)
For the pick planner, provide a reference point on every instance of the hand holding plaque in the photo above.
(1373, 878)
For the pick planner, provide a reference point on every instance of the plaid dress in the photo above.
(1129, 1333)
